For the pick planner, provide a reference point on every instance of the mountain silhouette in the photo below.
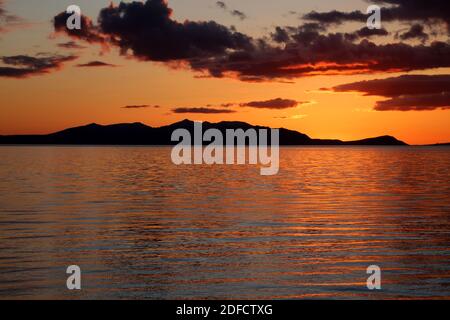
(141, 134)
(438, 145)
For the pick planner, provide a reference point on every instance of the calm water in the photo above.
(140, 227)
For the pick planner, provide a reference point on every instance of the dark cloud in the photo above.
(70, 45)
(277, 103)
(415, 10)
(88, 32)
(403, 85)
(367, 33)
(202, 110)
(95, 64)
(310, 53)
(237, 13)
(392, 10)
(306, 51)
(144, 106)
(280, 35)
(221, 5)
(335, 17)
(272, 104)
(147, 31)
(226, 105)
(22, 66)
(415, 32)
(424, 102)
(408, 92)
(304, 33)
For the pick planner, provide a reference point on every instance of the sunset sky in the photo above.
(302, 65)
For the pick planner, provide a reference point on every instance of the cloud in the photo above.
(22, 66)
(294, 117)
(310, 53)
(405, 93)
(147, 32)
(335, 17)
(416, 102)
(95, 64)
(221, 5)
(280, 35)
(277, 103)
(9, 21)
(396, 86)
(70, 45)
(141, 106)
(202, 110)
(416, 10)
(239, 14)
(303, 33)
(226, 105)
(5, 16)
(392, 10)
(367, 33)
(88, 32)
(272, 104)
(410, 11)
(415, 32)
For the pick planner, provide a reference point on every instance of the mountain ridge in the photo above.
(140, 134)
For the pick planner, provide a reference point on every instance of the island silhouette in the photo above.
(141, 134)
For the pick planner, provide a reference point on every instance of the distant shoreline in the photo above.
(142, 135)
